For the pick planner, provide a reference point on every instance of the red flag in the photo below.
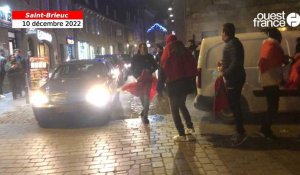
(221, 99)
(141, 86)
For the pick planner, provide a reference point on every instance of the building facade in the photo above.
(197, 19)
(110, 27)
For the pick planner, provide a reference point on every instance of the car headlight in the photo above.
(98, 96)
(115, 72)
(127, 65)
(38, 98)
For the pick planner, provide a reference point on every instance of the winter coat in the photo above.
(233, 62)
(13, 69)
(270, 60)
(177, 65)
(178, 70)
(141, 62)
(2, 66)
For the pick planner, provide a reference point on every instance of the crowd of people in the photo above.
(14, 67)
(177, 69)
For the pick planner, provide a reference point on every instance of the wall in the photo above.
(205, 17)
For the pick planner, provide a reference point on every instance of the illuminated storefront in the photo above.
(7, 34)
(85, 51)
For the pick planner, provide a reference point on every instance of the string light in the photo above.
(157, 26)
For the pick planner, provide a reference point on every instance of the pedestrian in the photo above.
(233, 71)
(192, 46)
(2, 72)
(297, 44)
(14, 70)
(17, 55)
(21, 76)
(159, 51)
(178, 70)
(294, 75)
(270, 65)
(142, 67)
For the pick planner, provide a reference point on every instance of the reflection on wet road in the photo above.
(128, 106)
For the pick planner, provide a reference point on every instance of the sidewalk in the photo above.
(127, 147)
(7, 104)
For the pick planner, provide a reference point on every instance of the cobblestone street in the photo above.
(128, 147)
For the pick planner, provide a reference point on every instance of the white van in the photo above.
(211, 52)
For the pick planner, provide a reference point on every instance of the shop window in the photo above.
(30, 46)
(92, 52)
(83, 50)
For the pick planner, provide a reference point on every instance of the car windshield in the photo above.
(88, 70)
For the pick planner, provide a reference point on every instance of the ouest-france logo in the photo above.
(276, 20)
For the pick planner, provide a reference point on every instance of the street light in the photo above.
(172, 20)
(171, 15)
(170, 8)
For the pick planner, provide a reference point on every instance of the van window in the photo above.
(252, 50)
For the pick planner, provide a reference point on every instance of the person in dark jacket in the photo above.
(143, 63)
(234, 74)
(2, 71)
(178, 70)
(22, 62)
(159, 51)
(14, 71)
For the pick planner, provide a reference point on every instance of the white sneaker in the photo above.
(179, 138)
(189, 131)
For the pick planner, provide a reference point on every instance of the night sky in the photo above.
(160, 7)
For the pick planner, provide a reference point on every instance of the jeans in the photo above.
(15, 86)
(2, 76)
(145, 100)
(234, 97)
(178, 103)
(272, 95)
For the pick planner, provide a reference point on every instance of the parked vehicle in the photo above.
(253, 100)
(78, 92)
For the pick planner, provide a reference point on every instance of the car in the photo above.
(78, 92)
(126, 59)
(252, 99)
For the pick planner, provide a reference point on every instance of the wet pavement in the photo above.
(126, 146)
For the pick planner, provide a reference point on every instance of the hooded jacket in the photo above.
(177, 65)
(178, 69)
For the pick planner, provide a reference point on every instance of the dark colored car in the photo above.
(126, 59)
(78, 92)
